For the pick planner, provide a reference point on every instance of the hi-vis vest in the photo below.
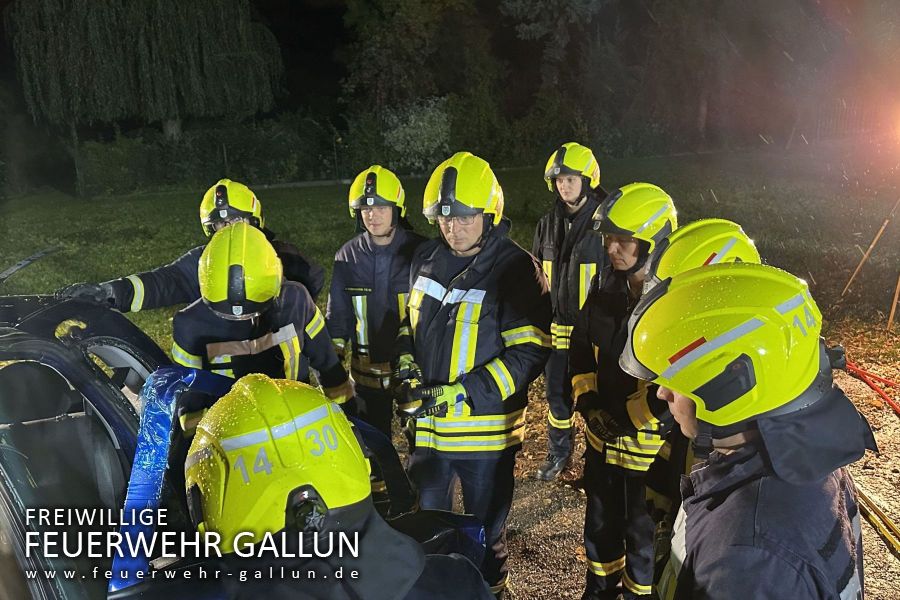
(571, 255)
(486, 327)
(598, 338)
(367, 302)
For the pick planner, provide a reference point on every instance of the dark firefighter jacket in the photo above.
(389, 566)
(367, 301)
(273, 344)
(487, 328)
(178, 283)
(598, 338)
(571, 254)
(744, 533)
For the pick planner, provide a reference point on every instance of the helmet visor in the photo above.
(628, 361)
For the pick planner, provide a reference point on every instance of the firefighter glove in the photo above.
(340, 348)
(101, 293)
(406, 368)
(427, 400)
(602, 424)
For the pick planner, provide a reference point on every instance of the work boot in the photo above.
(552, 467)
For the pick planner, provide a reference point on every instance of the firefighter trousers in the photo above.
(558, 386)
(375, 407)
(618, 531)
(487, 490)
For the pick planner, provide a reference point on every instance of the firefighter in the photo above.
(570, 255)
(771, 513)
(224, 203)
(698, 244)
(248, 320)
(624, 421)
(276, 457)
(474, 338)
(369, 289)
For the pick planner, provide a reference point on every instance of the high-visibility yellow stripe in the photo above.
(627, 461)
(633, 587)
(401, 304)
(413, 304)
(529, 334)
(638, 407)
(295, 343)
(547, 265)
(583, 383)
(502, 378)
(604, 569)
(560, 335)
(137, 301)
(287, 355)
(183, 357)
(558, 423)
(465, 338)
(316, 324)
(499, 587)
(225, 372)
(559, 329)
(427, 439)
(587, 272)
(360, 307)
(648, 446)
(479, 424)
(595, 442)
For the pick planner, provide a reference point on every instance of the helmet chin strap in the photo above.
(643, 255)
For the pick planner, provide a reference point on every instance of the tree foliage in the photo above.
(108, 60)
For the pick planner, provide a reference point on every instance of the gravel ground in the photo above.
(545, 527)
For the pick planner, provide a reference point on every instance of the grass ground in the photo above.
(812, 212)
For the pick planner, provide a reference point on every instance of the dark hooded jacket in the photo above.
(778, 517)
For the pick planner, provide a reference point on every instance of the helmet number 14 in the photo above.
(810, 320)
(260, 465)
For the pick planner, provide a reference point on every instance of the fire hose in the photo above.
(886, 528)
(870, 378)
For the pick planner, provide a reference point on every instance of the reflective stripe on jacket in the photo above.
(279, 343)
(486, 327)
(367, 301)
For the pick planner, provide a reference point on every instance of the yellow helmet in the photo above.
(240, 273)
(272, 454)
(463, 185)
(701, 243)
(740, 339)
(640, 210)
(228, 201)
(572, 159)
(376, 186)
